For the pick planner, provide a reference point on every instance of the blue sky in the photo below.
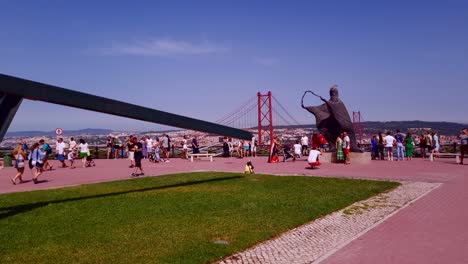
(392, 60)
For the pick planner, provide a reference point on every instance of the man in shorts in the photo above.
(131, 153)
(463, 144)
(389, 141)
(60, 150)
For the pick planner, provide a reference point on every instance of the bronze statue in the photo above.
(332, 118)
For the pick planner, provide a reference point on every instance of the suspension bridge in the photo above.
(262, 111)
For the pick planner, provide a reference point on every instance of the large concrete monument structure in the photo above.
(13, 90)
(332, 118)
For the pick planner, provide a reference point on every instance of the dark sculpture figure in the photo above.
(332, 118)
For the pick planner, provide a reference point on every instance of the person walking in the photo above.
(422, 145)
(71, 158)
(19, 155)
(36, 157)
(463, 144)
(131, 154)
(138, 149)
(45, 147)
(60, 151)
(389, 141)
(339, 149)
(399, 138)
(84, 151)
(346, 148)
(71, 144)
(409, 143)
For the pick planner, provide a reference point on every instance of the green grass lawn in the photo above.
(167, 219)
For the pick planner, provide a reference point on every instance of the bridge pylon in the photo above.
(265, 118)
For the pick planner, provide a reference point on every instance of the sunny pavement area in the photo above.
(431, 229)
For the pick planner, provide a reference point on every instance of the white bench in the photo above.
(456, 155)
(199, 155)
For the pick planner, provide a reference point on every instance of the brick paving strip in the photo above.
(316, 240)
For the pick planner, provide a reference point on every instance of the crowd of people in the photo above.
(159, 150)
(38, 157)
(404, 145)
(384, 146)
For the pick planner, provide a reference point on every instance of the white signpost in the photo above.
(59, 131)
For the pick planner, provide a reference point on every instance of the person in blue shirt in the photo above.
(399, 145)
(36, 157)
(47, 151)
(375, 148)
(195, 147)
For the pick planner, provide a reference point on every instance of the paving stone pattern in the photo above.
(314, 241)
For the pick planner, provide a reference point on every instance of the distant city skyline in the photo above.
(392, 61)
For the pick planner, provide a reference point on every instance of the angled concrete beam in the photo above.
(9, 104)
(14, 87)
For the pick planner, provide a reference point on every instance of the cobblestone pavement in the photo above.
(314, 241)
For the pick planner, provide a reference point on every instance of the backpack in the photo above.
(48, 150)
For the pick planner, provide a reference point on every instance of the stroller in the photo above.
(151, 157)
(90, 161)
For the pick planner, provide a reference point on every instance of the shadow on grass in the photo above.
(18, 209)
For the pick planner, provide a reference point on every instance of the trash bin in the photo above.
(7, 161)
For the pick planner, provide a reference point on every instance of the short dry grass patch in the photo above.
(180, 218)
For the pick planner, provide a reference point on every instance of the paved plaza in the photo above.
(431, 229)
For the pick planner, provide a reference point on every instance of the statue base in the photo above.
(355, 158)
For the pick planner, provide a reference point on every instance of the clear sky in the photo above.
(392, 60)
